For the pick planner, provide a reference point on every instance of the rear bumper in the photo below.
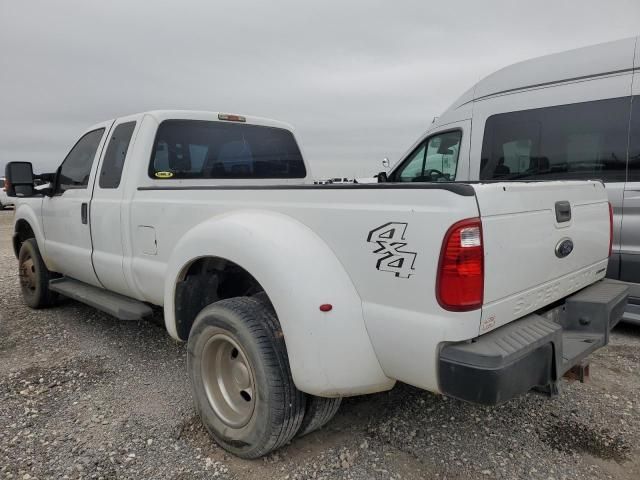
(534, 351)
(632, 312)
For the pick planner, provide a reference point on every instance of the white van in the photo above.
(5, 201)
(571, 115)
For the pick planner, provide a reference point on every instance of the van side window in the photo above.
(634, 141)
(217, 150)
(434, 160)
(578, 141)
(76, 167)
(113, 162)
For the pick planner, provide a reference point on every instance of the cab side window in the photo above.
(436, 160)
(76, 168)
(113, 162)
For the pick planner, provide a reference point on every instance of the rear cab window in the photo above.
(200, 149)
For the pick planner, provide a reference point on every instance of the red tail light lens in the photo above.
(460, 282)
(610, 228)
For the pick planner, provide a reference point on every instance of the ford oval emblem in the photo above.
(564, 247)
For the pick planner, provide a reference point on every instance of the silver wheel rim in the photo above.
(228, 380)
(27, 273)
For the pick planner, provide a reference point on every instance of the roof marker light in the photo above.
(229, 117)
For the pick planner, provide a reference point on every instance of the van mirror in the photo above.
(19, 181)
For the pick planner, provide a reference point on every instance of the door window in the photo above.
(76, 168)
(434, 160)
(578, 141)
(113, 162)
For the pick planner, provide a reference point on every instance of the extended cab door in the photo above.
(107, 206)
(65, 215)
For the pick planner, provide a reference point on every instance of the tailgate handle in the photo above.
(563, 211)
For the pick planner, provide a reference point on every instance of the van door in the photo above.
(107, 205)
(630, 237)
(65, 215)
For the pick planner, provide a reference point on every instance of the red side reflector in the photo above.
(231, 118)
(326, 307)
(610, 228)
(460, 281)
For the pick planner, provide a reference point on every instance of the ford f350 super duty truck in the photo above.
(293, 295)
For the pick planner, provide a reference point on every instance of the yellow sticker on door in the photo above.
(164, 174)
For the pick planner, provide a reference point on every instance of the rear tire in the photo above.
(319, 410)
(318, 413)
(34, 276)
(242, 384)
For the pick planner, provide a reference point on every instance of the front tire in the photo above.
(241, 380)
(34, 276)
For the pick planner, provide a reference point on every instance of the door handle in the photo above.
(84, 213)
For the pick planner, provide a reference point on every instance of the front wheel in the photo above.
(34, 276)
(240, 374)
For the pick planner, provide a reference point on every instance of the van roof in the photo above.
(602, 59)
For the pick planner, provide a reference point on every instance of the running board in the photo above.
(119, 306)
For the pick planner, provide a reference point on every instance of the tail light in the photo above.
(610, 228)
(460, 281)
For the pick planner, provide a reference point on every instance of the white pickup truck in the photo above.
(293, 295)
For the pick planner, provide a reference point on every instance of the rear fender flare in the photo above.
(330, 353)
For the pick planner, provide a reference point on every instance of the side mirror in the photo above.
(385, 163)
(382, 177)
(19, 181)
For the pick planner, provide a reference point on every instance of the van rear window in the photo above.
(578, 141)
(195, 149)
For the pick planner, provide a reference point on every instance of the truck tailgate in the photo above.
(535, 251)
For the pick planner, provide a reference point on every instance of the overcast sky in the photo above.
(360, 80)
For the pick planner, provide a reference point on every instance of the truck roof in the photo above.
(578, 64)
(160, 115)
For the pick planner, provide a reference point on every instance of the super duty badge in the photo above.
(390, 239)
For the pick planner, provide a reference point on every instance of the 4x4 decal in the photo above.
(390, 239)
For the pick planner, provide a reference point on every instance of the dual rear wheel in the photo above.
(242, 383)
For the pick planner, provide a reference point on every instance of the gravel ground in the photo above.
(83, 395)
